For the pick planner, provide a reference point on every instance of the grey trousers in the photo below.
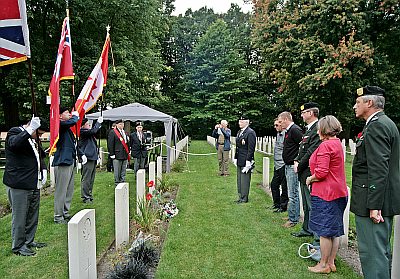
(243, 184)
(25, 215)
(64, 183)
(87, 180)
(374, 247)
(223, 157)
(138, 163)
(119, 170)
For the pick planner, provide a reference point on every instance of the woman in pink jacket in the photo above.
(328, 192)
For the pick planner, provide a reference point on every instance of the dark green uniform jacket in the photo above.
(309, 143)
(376, 168)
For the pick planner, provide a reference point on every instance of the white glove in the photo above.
(84, 159)
(235, 162)
(44, 178)
(247, 167)
(75, 113)
(112, 156)
(100, 120)
(35, 123)
(79, 166)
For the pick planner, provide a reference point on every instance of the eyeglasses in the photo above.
(304, 111)
(276, 125)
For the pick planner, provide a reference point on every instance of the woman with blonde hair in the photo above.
(328, 192)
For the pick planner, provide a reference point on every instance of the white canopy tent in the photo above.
(134, 112)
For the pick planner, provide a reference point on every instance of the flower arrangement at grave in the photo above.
(167, 209)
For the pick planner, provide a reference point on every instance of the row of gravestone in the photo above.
(344, 240)
(82, 226)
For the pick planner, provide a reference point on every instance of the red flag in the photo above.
(62, 70)
(93, 88)
(14, 33)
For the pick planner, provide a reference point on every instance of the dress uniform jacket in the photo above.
(308, 145)
(65, 154)
(115, 147)
(21, 170)
(138, 148)
(376, 168)
(245, 146)
(87, 142)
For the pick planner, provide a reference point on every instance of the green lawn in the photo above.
(212, 237)
(52, 261)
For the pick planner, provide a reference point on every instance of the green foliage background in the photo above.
(202, 67)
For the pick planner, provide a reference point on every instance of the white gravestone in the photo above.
(159, 168)
(152, 176)
(121, 215)
(396, 248)
(344, 239)
(82, 245)
(140, 188)
(52, 175)
(265, 171)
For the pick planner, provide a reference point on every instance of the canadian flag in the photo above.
(93, 88)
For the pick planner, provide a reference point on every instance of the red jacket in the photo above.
(327, 164)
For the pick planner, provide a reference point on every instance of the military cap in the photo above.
(309, 105)
(84, 121)
(44, 126)
(63, 109)
(118, 121)
(139, 123)
(370, 90)
(243, 117)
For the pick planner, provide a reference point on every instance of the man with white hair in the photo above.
(244, 158)
(375, 192)
(222, 134)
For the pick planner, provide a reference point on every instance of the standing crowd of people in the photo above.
(311, 164)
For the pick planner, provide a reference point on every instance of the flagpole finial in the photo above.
(108, 28)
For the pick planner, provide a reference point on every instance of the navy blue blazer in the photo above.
(87, 142)
(245, 146)
(66, 152)
(21, 170)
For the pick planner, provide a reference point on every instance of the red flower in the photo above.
(359, 135)
(149, 196)
(150, 183)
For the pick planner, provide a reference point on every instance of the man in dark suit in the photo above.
(64, 163)
(310, 142)
(138, 147)
(291, 146)
(119, 151)
(88, 145)
(244, 156)
(375, 192)
(25, 174)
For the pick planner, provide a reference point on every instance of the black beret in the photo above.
(309, 105)
(84, 121)
(243, 117)
(118, 121)
(63, 108)
(139, 123)
(370, 90)
(44, 126)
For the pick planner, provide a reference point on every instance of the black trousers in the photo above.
(279, 182)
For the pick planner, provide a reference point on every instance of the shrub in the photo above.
(166, 184)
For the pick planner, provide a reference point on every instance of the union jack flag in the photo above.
(62, 70)
(14, 33)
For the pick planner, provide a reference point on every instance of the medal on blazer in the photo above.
(243, 142)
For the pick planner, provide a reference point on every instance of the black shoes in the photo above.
(241, 201)
(279, 210)
(37, 245)
(61, 222)
(25, 251)
(301, 234)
